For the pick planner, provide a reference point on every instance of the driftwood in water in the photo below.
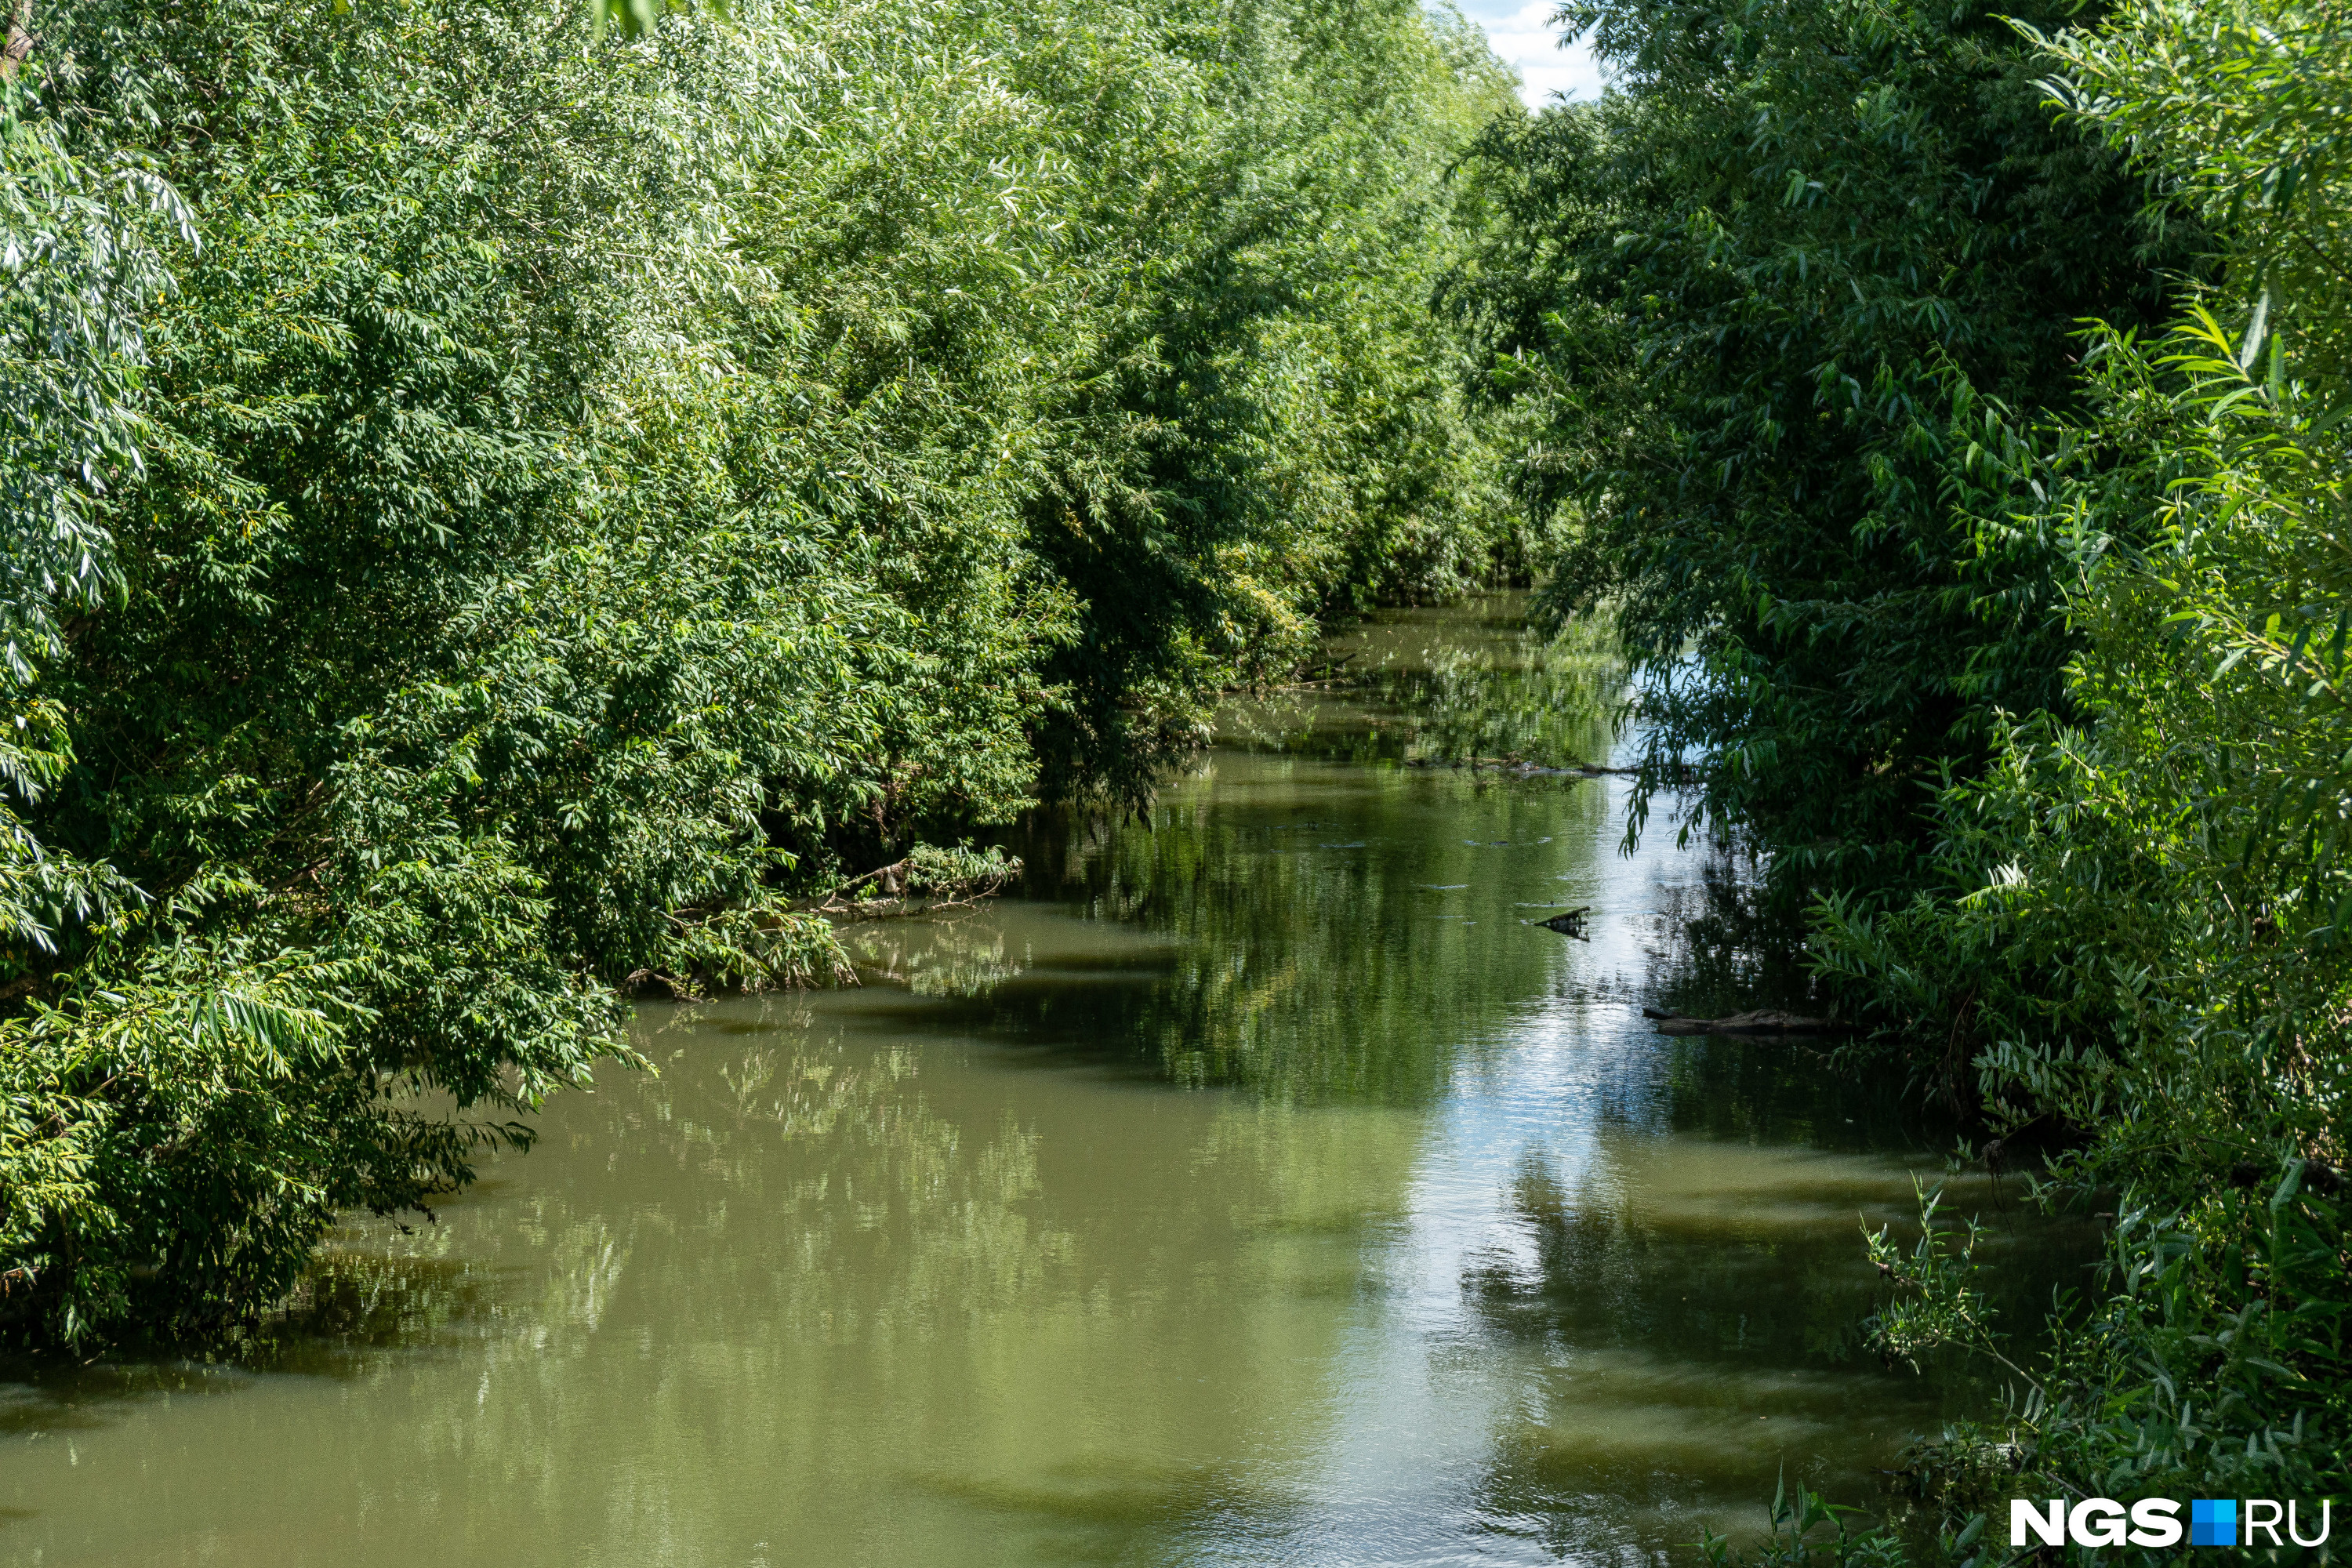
(1762, 1021)
(907, 888)
(1519, 767)
(1569, 924)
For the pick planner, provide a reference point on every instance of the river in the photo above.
(1259, 1186)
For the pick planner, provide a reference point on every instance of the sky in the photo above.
(1523, 36)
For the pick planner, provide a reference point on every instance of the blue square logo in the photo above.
(2213, 1521)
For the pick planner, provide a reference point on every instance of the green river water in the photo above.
(1259, 1186)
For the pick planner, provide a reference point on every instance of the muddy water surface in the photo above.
(1261, 1186)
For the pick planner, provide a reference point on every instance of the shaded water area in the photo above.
(1260, 1187)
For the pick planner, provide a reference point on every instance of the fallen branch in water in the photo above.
(1525, 769)
(927, 881)
(1762, 1021)
(1332, 672)
(1571, 924)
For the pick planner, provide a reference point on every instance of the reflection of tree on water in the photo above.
(953, 957)
(1305, 966)
(897, 1218)
(1336, 936)
(373, 1297)
(1732, 1260)
(1447, 687)
(1692, 1288)
(1696, 1308)
(358, 1298)
(1716, 948)
(886, 1197)
(818, 1260)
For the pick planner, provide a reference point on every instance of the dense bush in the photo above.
(1751, 308)
(2137, 932)
(501, 512)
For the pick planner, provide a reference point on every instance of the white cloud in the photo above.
(1525, 37)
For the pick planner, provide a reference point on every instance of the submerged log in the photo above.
(1762, 1021)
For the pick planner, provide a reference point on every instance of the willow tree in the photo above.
(1758, 303)
(554, 502)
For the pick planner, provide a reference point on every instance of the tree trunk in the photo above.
(20, 40)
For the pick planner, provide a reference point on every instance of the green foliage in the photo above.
(2135, 928)
(2238, 108)
(500, 511)
(1754, 307)
(2208, 1370)
(1937, 1301)
(1807, 1530)
(79, 264)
